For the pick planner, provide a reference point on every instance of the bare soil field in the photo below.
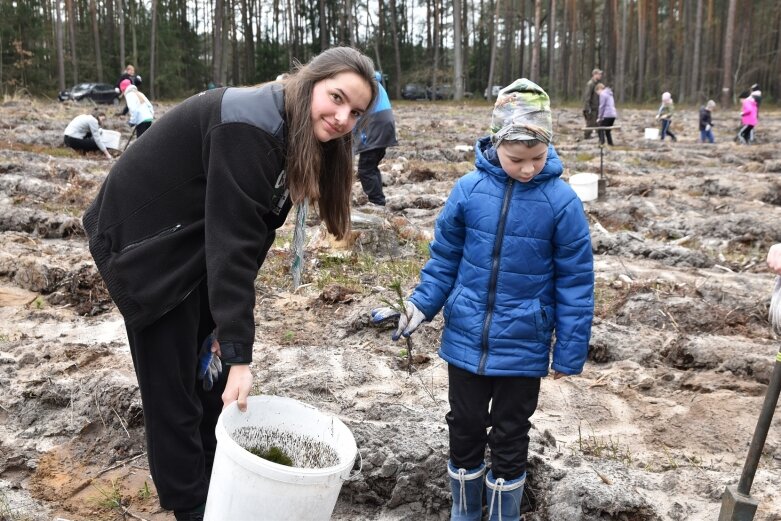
(654, 429)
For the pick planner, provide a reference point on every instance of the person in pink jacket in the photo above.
(749, 119)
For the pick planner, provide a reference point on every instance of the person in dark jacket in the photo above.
(511, 263)
(591, 101)
(181, 226)
(376, 134)
(706, 123)
(135, 79)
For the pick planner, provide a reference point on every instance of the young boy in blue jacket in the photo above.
(511, 263)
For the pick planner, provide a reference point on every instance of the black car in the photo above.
(97, 92)
(414, 91)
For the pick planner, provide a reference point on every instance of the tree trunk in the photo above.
(695, 81)
(726, 78)
(552, 87)
(493, 37)
(218, 39)
(509, 40)
(535, 67)
(396, 50)
(72, 33)
(458, 60)
(249, 42)
(622, 72)
(60, 49)
(121, 14)
(640, 50)
(435, 39)
(96, 35)
(152, 50)
(323, 26)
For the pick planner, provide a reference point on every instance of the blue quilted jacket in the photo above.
(511, 262)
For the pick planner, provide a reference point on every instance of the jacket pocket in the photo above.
(544, 319)
(157, 235)
(451, 299)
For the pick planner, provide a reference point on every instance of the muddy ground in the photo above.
(654, 429)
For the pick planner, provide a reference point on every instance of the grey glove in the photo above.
(408, 322)
(708, 127)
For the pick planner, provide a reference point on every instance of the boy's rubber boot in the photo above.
(466, 486)
(504, 497)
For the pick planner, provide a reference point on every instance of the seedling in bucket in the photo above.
(286, 448)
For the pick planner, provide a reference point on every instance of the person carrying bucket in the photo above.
(665, 116)
(181, 226)
(511, 262)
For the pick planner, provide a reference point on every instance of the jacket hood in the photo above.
(487, 161)
(608, 90)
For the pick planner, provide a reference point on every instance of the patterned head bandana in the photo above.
(522, 112)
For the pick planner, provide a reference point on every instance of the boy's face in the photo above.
(520, 162)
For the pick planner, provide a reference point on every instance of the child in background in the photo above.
(706, 124)
(607, 114)
(665, 115)
(139, 107)
(748, 118)
(511, 263)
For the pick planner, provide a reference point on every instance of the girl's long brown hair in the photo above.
(322, 172)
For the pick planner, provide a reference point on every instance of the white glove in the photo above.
(708, 127)
(408, 321)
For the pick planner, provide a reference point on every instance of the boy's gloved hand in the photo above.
(708, 127)
(209, 364)
(408, 322)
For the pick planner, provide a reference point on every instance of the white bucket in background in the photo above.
(585, 185)
(245, 487)
(652, 133)
(110, 138)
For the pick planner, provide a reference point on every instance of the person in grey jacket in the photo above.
(511, 263)
(184, 221)
(84, 133)
(607, 114)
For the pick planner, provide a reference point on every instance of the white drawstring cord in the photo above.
(462, 491)
(497, 486)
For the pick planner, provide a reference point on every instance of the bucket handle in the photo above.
(353, 477)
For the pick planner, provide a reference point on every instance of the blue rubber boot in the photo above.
(466, 487)
(504, 497)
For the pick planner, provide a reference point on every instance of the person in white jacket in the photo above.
(84, 133)
(139, 107)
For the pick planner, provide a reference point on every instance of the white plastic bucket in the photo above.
(110, 138)
(585, 185)
(245, 487)
(652, 133)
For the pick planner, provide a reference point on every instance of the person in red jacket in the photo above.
(181, 226)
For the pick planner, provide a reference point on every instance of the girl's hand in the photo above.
(557, 375)
(238, 386)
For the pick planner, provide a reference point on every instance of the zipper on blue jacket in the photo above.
(489, 312)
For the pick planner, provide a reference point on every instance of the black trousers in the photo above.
(369, 174)
(179, 416)
(512, 401)
(606, 134)
(141, 127)
(87, 143)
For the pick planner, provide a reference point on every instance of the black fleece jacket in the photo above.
(200, 194)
